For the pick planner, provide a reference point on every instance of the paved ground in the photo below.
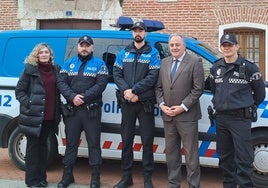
(12, 177)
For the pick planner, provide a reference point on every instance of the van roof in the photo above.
(16, 44)
(77, 33)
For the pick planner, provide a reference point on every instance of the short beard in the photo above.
(84, 55)
(138, 39)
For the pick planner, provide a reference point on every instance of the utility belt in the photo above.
(232, 112)
(248, 113)
(69, 109)
(148, 105)
(87, 106)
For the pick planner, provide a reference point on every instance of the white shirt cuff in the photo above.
(162, 103)
(184, 107)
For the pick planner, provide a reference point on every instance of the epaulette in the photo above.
(252, 62)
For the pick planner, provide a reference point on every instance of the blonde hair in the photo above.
(33, 56)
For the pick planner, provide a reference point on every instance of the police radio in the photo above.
(211, 115)
(242, 70)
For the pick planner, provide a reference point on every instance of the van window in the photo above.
(206, 63)
(18, 48)
(206, 66)
(163, 49)
(105, 49)
(109, 59)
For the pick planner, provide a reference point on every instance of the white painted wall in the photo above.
(29, 11)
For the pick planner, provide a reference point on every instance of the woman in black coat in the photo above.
(39, 100)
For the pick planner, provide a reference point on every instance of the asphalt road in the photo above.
(11, 176)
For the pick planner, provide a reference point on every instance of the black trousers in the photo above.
(235, 150)
(130, 113)
(74, 125)
(36, 155)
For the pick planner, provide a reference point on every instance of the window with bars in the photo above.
(252, 45)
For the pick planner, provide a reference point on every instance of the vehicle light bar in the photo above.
(125, 23)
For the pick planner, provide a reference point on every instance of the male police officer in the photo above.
(82, 80)
(135, 74)
(238, 89)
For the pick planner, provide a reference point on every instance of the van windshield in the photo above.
(101, 46)
(104, 48)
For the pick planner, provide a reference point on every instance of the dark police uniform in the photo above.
(89, 79)
(137, 69)
(238, 89)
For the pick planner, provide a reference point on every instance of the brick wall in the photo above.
(198, 18)
(8, 15)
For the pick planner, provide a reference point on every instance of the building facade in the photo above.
(205, 20)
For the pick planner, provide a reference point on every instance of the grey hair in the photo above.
(177, 35)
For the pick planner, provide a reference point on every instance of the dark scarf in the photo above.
(49, 81)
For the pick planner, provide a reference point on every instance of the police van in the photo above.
(16, 45)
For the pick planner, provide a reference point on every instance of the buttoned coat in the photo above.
(186, 87)
(30, 92)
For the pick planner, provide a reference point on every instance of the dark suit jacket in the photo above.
(186, 88)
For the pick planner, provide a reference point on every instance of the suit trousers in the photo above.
(185, 132)
(130, 113)
(36, 155)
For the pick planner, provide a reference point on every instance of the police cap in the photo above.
(230, 38)
(87, 39)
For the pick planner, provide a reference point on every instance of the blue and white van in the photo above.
(16, 45)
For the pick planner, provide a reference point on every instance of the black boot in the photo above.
(67, 177)
(125, 182)
(148, 182)
(95, 177)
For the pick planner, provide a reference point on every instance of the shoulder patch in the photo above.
(256, 76)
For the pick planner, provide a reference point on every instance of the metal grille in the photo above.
(252, 45)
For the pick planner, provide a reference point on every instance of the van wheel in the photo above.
(17, 148)
(260, 164)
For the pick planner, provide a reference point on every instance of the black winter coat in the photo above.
(30, 92)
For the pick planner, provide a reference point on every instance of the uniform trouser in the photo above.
(130, 113)
(36, 155)
(74, 125)
(177, 132)
(235, 150)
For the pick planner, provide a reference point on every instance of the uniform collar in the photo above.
(237, 62)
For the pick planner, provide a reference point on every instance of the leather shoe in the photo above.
(124, 182)
(35, 186)
(148, 183)
(43, 183)
(95, 185)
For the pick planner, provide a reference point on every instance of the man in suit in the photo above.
(179, 87)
